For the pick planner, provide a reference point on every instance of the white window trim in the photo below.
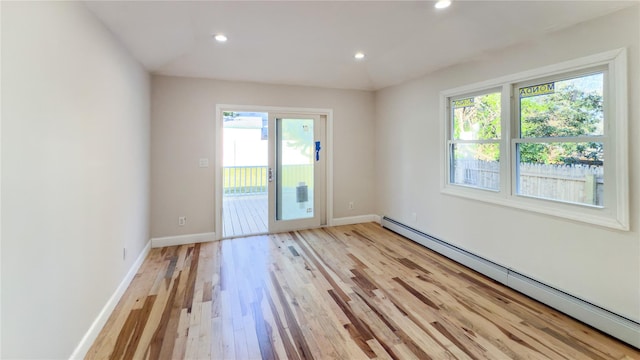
(614, 216)
(449, 139)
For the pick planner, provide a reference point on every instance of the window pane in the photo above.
(476, 118)
(563, 108)
(476, 165)
(571, 172)
(295, 163)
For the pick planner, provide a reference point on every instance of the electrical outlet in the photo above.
(351, 206)
(182, 220)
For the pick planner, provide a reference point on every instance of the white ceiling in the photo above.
(312, 43)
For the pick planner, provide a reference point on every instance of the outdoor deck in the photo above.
(244, 215)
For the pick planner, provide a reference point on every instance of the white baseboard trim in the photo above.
(94, 330)
(616, 325)
(182, 239)
(355, 220)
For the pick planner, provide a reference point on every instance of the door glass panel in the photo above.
(295, 163)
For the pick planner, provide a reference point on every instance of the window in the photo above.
(475, 143)
(550, 140)
(560, 148)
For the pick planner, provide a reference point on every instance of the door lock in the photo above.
(270, 176)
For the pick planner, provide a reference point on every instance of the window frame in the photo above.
(451, 140)
(615, 211)
(517, 137)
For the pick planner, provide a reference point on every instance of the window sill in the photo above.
(584, 214)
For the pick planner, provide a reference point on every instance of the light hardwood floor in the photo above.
(349, 292)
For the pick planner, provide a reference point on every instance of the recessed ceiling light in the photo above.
(441, 4)
(220, 38)
(359, 56)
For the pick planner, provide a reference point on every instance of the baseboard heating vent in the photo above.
(611, 323)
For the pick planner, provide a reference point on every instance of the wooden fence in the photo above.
(572, 183)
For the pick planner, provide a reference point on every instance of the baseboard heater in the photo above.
(611, 323)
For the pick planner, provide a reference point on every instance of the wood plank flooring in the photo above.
(244, 215)
(349, 292)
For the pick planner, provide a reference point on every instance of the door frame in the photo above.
(319, 167)
(327, 148)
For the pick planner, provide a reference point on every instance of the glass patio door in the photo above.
(296, 163)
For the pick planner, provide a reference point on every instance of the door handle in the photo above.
(318, 150)
(270, 176)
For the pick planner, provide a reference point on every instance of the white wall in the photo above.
(183, 130)
(596, 264)
(75, 173)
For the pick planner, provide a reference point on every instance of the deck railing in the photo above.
(244, 180)
(248, 180)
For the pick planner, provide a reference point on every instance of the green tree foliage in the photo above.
(572, 110)
(480, 120)
(568, 112)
